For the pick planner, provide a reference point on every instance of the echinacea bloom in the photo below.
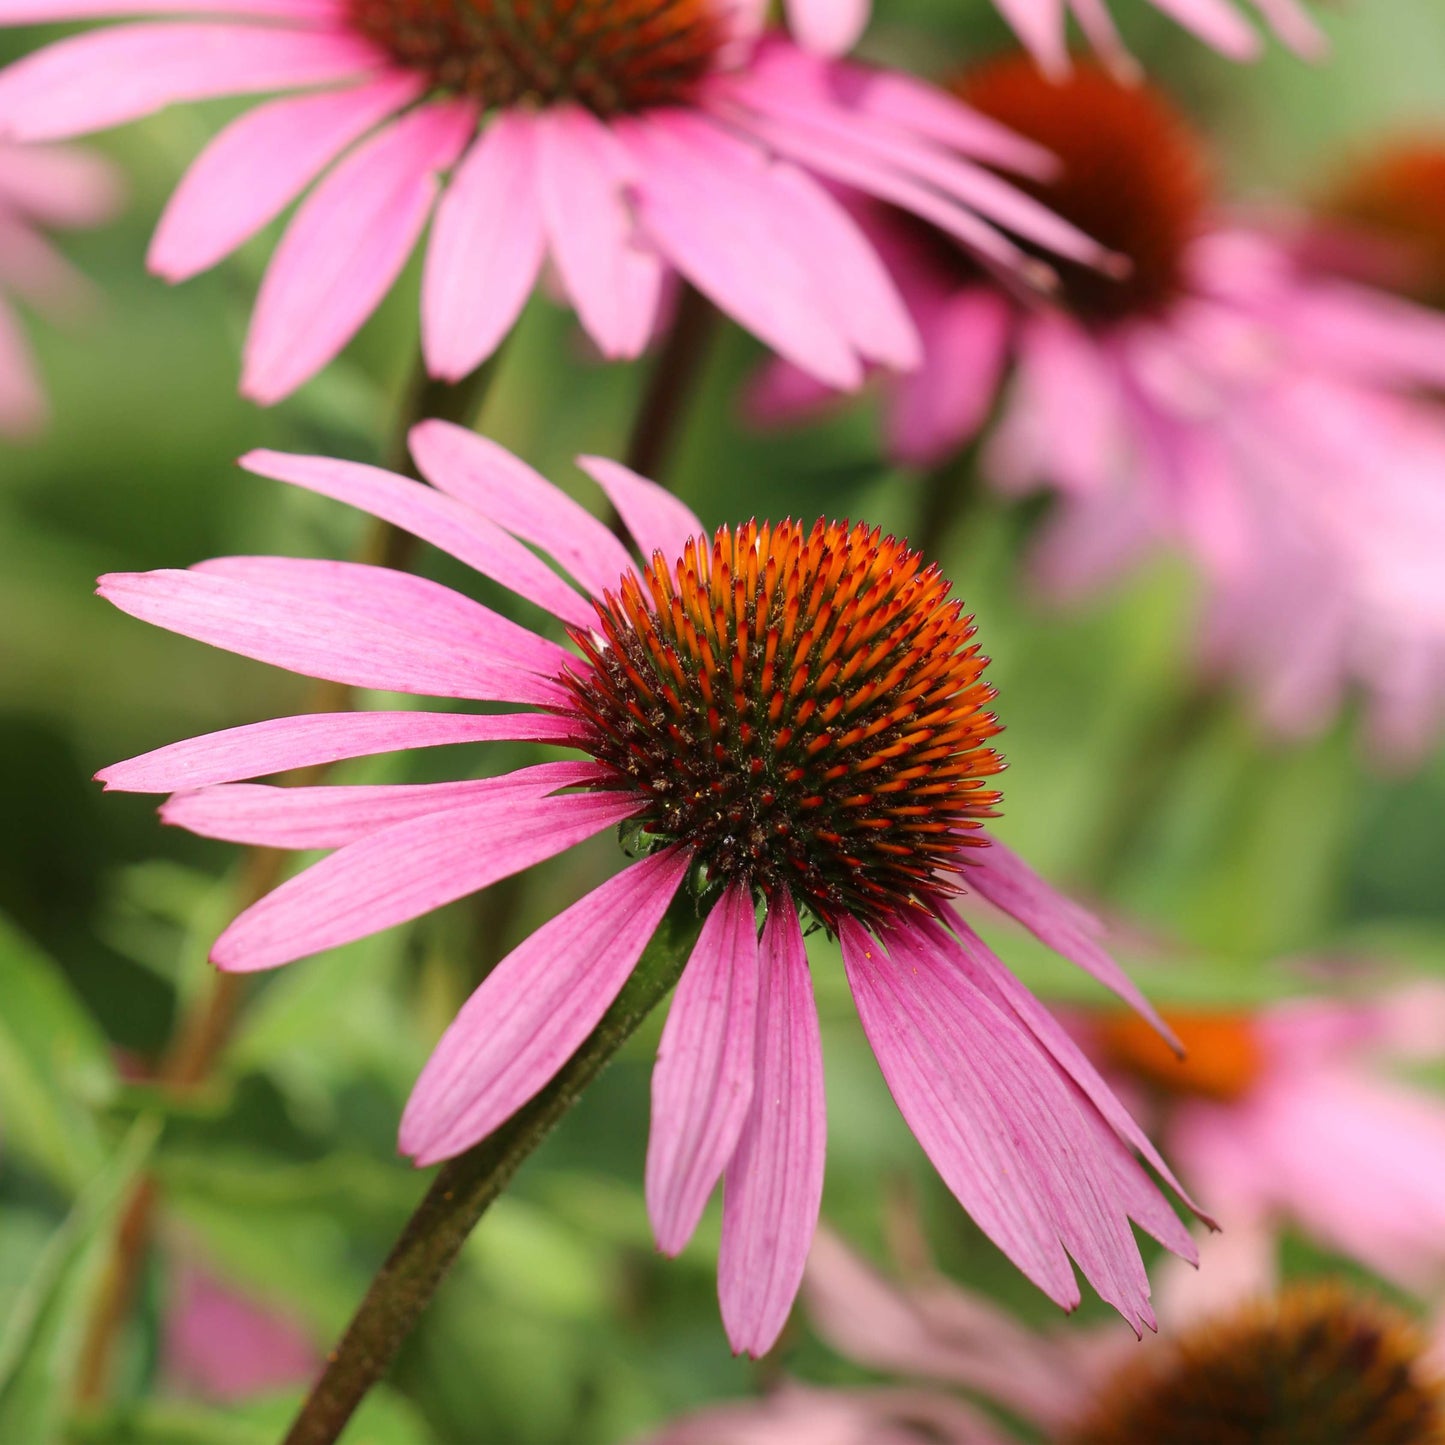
(832, 26)
(1299, 1117)
(622, 139)
(1223, 399)
(42, 188)
(784, 717)
(1317, 1362)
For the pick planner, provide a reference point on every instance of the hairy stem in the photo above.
(201, 1032)
(463, 1190)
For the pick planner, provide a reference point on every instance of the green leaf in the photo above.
(40, 1343)
(55, 1067)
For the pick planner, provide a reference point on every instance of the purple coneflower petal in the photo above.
(346, 245)
(443, 521)
(773, 1184)
(44, 12)
(703, 1080)
(828, 27)
(1003, 878)
(320, 641)
(333, 815)
(656, 520)
(534, 1010)
(259, 164)
(106, 77)
(486, 249)
(1217, 23)
(384, 595)
(477, 471)
(277, 745)
(407, 870)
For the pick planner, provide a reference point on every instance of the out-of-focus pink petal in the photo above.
(583, 174)
(407, 870)
(781, 394)
(1006, 881)
(106, 77)
(398, 599)
(1237, 1265)
(332, 815)
(1288, 20)
(257, 750)
(58, 185)
(1217, 23)
(828, 27)
(773, 1185)
(33, 271)
(491, 480)
(443, 521)
(486, 249)
(657, 520)
(535, 1009)
(47, 12)
(259, 164)
(320, 641)
(1040, 25)
(345, 247)
(702, 1082)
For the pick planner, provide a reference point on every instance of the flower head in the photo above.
(42, 188)
(782, 718)
(623, 139)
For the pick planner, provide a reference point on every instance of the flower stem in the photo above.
(673, 376)
(950, 492)
(201, 1033)
(465, 1187)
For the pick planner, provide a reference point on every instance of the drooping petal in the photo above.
(702, 1082)
(259, 164)
(486, 249)
(440, 520)
(1217, 23)
(333, 815)
(59, 185)
(657, 520)
(773, 1185)
(257, 750)
(407, 870)
(345, 247)
(394, 598)
(106, 77)
(534, 1010)
(322, 641)
(49, 12)
(488, 478)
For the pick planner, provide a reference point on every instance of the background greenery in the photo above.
(561, 1324)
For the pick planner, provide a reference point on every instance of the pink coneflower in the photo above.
(42, 188)
(784, 717)
(622, 139)
(1222, 398)
(1293, 1116)
(1317, 1362)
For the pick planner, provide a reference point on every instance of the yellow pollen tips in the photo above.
(1132, 175)
(1317, 1364)
(611, 56)
(803, 708)
(1222, 1055)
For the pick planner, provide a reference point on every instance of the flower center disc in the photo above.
(1315, 1365)
(608, 55)
(1222, 1056)
(803, 709)
(1132, 175)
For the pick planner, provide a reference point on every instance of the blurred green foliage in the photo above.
(561, 1323)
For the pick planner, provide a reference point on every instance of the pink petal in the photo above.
(1001, 876)
(535, 1009)
(1040, 26)
(489, 479)
(828, 27)
(444, 522)
(321, 641)
(1289, 20)
(407, 870)
(331, 816)
(582, 176)
(773, 1185)
(708, 203)
(32, 270)
(345, 247)
(486, 249)
(259, 164)
(59, 186)
(278, 745)
(398, 599)
(703, 1080)
(1217, 23)
(45, 12)
(107, 77)
(657, 520)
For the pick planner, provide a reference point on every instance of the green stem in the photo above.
(949, 492)
(463, 1190)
